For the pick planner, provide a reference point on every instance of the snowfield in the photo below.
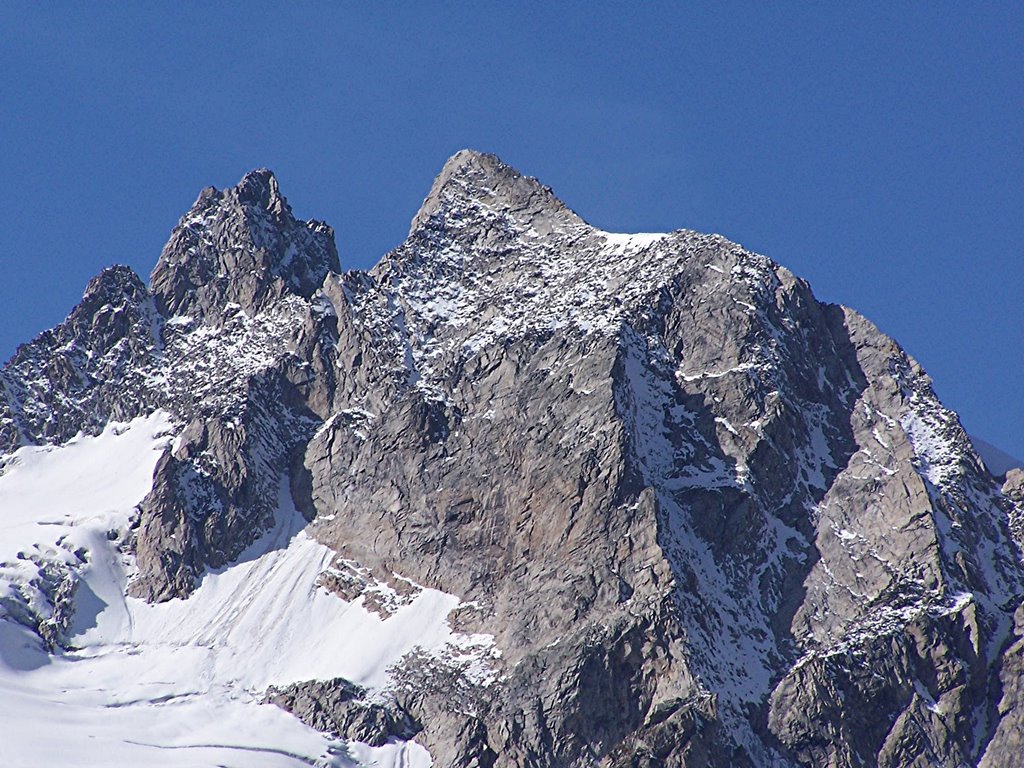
(179, 683)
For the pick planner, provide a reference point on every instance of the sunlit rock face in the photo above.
(527, 493)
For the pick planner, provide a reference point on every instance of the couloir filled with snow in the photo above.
(180, 683)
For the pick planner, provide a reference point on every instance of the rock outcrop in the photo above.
(241, 246)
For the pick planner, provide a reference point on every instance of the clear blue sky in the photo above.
(877, 152)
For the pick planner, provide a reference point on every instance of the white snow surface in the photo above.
(627, 241)
(179, 683)
(54, 500)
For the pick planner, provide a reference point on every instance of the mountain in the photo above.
(527, 493)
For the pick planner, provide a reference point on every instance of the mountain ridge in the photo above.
(711, 502)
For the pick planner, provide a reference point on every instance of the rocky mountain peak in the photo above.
(241, 246)
(259, 188)
(476, 191)
(113, 285)
(74, 377)
(107, 297)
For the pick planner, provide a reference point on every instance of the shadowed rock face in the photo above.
(707, 519)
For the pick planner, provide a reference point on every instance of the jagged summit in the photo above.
(259, 187)
(108, 287)
(478, 187)
(241, 246)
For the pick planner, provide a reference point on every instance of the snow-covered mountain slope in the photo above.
(180, 683)
(62, 503)
(527, 493)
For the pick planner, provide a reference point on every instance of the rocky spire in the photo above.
(476, 188)
(241, 245)
(260, 189)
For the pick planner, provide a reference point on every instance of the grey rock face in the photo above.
(707, 519)
(241, 246)
(491, 202)
(1007, 743)
(86, 371)
(1013, 490)
(340, 707)
(593, 431)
